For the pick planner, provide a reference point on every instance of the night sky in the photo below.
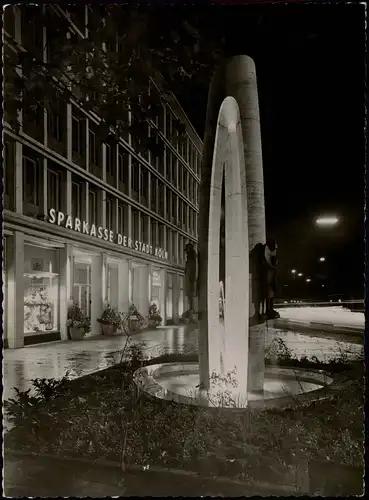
(310, 68)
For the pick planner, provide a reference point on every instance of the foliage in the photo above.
(154, 316)
(77, 319)
(110, 317)
(108, 73)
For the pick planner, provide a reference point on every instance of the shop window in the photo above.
(113, 285)
(41, 290)
(53, 189)
(92, 207)
(155, 288)
(82, 286)
(77, 200)
(169, 301)
(181, 296)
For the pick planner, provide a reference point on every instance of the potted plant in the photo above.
(136, 320)
(154, 316)
(77, 322)
(110, 321)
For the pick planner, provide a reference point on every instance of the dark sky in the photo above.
(310, 68)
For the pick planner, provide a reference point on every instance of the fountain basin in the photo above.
(178, 382)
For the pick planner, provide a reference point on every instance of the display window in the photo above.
(82, 286)
(113, 284)
(181, 296)
(169, 297)
(41, 290)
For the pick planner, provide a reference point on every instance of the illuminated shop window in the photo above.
(41, 290)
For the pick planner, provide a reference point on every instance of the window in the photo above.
(169, 165)
(76, 200)
(30, 181)
(184, 216)
(144, 186)
(161, 235)
(123, 159)
(110, 159)
(9, 173)
(135, 225)
(135, 178)
(174, 208)
(154, 187)
(55, 123)
(142, 228)
(94, 149)
(168, 117)
(41, 290)
(153, 232)
(161, 199)
(174, 170)
(122, 218)
(110, 213)
(185, 180)
(92, 207)
(53, 189)
(78, 135)
(169, 205)
(174, 246)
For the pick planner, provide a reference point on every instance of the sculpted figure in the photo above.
(190, 275)
(263, 266)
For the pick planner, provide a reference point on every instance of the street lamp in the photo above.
(326, 221)
(300, 274)
(322, 259)
(293, 271)
(308, 280)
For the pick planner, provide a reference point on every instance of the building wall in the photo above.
(57, 162)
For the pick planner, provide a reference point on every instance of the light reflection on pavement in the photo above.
(54, 359)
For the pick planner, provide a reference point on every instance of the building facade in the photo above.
(91, 222)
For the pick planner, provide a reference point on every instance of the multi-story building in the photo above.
(92, 222)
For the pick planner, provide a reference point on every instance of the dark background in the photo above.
(311, 76)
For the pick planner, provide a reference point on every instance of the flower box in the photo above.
(76, 333)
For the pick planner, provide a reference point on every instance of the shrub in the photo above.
(76, 318)
(110, 317)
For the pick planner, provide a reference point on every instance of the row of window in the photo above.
(87, 201)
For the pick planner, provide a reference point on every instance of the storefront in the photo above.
(47, 271)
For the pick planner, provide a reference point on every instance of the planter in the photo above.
(108, 329)
(77, 333)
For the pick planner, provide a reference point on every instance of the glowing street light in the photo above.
(293, 271)
(308, 280)
(300, 274)
(322, 259)
(326, 221)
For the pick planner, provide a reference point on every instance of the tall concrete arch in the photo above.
(228, 344)
(235, 78)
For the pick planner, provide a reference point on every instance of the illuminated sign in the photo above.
(69, 222)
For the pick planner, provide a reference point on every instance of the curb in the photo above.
(279, 488)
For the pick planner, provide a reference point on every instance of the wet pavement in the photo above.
(54, 359)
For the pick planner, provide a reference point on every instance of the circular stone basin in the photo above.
(179, 382)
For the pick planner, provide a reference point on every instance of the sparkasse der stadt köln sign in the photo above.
(69, 222)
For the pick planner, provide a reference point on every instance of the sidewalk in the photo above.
(45, 477)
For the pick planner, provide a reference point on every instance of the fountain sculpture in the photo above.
(232, 146)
